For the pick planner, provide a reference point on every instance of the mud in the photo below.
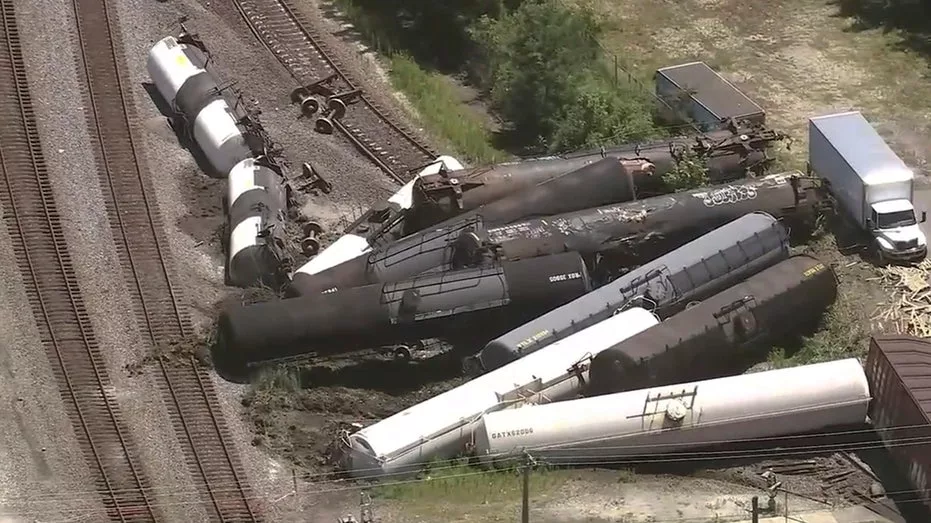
(176, 352)
(299, 410)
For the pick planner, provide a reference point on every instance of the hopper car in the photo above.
(605, 181)
(441, 427)
(608, 237)
(687, 417)
(471, 304)
(729, 154)
(721, 334)
(694, 271)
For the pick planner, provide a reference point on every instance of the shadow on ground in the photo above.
(910, 18)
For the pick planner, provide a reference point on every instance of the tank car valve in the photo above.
(311, 243)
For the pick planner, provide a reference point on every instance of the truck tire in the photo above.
(881, 260)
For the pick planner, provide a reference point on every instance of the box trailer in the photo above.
(869, 182)
(898, 369)
(696, 92)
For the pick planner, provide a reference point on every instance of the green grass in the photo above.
(431, 94)
(458, 483)
(441, 111)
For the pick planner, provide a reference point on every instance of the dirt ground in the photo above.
(797, 60)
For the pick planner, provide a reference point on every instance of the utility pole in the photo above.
(525, 472)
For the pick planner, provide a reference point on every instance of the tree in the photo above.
(537, 55)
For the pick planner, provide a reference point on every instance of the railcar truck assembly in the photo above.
(869, 182)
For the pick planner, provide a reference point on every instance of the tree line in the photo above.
(538, 61)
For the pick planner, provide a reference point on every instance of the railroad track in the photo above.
(186, 389)
(42, 256)
(287, 34)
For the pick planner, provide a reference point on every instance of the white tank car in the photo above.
(680, 417)
(350, 246)
(170, 64)
(443, 426)
(256, 204)
(220, 139)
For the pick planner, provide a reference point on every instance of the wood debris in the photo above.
(908, 311)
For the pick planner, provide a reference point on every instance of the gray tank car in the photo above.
(694, 271)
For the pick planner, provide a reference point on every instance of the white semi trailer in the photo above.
(869, 182)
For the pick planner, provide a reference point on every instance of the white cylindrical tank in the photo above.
(351, 246)
(681, 417)
(442, 426)
(170, 64)
(256, 203)
(220, 139)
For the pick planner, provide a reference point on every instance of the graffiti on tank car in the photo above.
(728, 195)
(565, 277)
(512, 433)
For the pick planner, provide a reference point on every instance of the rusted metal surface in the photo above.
(899, 372)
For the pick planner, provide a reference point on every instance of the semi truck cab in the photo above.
(895, 228)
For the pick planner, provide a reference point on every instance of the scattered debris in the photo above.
(175, 352)
(908, 311)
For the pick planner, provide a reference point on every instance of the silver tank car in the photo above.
(471, 304)
(256, 203)
(610, 178)
(722, 334)
(698, 269)
(686, 417)
(178, 71)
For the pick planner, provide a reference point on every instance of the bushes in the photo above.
(546, 78)
(538, 61)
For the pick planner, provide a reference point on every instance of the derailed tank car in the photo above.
(355, 241)
(721, 334)
(528, 189)
(256, 204)
(442, 426)
(626, 233)
(698, 269)
(472, 304)
(605, 181)
(632, 232)
(685, 417)
(177, 67)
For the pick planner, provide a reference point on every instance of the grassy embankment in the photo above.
(438, 103)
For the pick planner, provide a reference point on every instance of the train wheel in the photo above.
(310, 246)
(312, 229)
(403, 353)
